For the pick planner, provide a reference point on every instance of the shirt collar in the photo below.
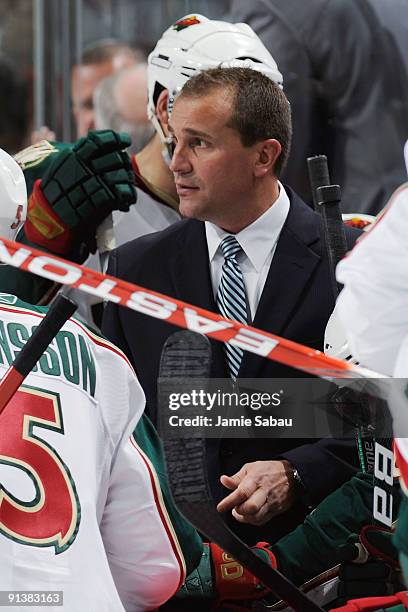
(258, 238)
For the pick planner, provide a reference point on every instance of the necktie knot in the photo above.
(230, 247)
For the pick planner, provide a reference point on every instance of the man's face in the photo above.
(212, 169)
(84, 82)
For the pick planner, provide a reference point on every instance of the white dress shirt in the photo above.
(258, 242)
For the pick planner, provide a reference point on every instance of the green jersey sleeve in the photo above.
(313, 547)
(147, 439)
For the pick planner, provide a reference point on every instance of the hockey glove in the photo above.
(79, 190)
(220, 578)
(370, 567)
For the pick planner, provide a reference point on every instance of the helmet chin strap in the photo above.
(166, 141)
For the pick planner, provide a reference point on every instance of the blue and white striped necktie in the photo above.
(231, 298)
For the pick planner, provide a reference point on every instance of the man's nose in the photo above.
(180, 161)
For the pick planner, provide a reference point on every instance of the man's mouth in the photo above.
(184, 189)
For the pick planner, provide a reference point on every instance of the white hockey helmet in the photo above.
(13, 196)
(196, 43)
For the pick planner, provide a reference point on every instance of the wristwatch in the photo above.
(300, 489)
(297, 479)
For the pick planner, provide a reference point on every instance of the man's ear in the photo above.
(268, 152)
(161, 108)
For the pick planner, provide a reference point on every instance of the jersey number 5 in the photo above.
(52, 517)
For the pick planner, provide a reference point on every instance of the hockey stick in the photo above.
(188, 355)
(59, 312)
(181, 313)
(318, 176)
(328, 199)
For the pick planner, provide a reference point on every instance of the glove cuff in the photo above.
(377, 547)
(263, 550)
(43, 227)
(235, 582)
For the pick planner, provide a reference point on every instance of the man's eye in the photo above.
(87, 104)
(198, 142)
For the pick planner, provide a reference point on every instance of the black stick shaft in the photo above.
(59, 312)
(328, 198)
(318, 176)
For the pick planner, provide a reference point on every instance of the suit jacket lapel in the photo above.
(191, 272)
(296, 256)
(192, 280)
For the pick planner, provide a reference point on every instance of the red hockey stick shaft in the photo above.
(178, 313)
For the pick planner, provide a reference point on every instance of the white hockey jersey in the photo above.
(80, 505)
(373, 303)
(373, 307)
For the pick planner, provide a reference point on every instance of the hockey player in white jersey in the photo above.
(81, 515)
(373, 301)
(373, 305)
(373, 308)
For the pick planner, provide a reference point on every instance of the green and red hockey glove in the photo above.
(80, 188)
(219, 578)
(393, 603)
(370, 566)
(232, 580)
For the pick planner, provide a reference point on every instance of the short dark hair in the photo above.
(260, 108)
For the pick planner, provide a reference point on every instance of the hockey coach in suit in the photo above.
(250, 249)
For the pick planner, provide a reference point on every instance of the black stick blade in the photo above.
(188, 355)
(185, 355)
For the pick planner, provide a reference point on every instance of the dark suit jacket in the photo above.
(296, 303)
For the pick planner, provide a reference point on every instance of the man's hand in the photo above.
(261, 490)
(79, 190)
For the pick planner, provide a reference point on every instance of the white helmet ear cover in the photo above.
(335, 341)
(13, 196)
